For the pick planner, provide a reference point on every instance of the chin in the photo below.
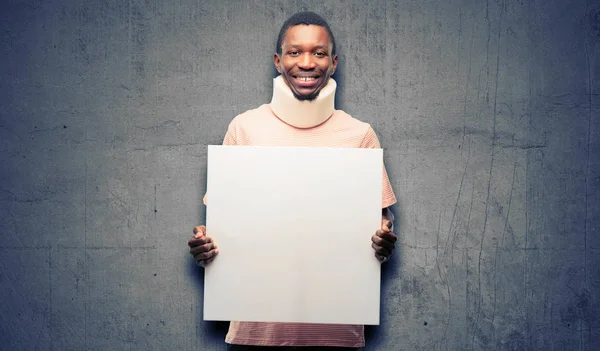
(309, 97)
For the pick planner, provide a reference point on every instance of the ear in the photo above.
(277, 62)
(335, 62)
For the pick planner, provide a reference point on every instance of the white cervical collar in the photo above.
(302, 114)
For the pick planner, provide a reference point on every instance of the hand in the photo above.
(384, 241)
(202, 248)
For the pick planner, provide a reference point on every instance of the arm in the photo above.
(202, 247)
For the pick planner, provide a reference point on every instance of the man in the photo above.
(301, 113)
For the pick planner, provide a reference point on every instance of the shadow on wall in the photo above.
(389, 271)
(214, 331)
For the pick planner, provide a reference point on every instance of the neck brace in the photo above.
(302, 114)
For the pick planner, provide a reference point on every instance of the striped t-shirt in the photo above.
(260, 127)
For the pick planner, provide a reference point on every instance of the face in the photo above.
(306, 62)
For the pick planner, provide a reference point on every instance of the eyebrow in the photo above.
(318, 47)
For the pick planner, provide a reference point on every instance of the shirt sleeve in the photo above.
(229, 140)
(370, 141)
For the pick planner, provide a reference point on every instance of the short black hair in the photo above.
(307, 18)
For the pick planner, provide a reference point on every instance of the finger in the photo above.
(377, 239)
(194, 242)
(199, 241)
(382, 251)
(386, 225)
(202, 249)
(388, 236)
(212, 258)
(204, 255)
(199, 231)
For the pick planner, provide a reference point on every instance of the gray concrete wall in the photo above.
(488, 112)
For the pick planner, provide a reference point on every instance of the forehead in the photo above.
(306, 35)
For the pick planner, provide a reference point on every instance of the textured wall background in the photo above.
(488, 110)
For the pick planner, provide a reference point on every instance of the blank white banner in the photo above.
(294, 227)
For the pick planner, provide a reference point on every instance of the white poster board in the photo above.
(293, 226)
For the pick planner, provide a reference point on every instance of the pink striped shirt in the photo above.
(260, 127)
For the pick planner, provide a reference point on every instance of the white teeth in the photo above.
(306, 79)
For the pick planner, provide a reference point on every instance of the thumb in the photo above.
(199, 231)
(386, 225)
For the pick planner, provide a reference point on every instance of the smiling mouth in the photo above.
(306, 82)
(306, 79)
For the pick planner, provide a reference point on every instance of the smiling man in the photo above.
(301, 113)
(306, 59)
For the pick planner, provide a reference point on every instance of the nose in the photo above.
(306, 61)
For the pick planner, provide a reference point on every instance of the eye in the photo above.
(293, 53)
(320, 54)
